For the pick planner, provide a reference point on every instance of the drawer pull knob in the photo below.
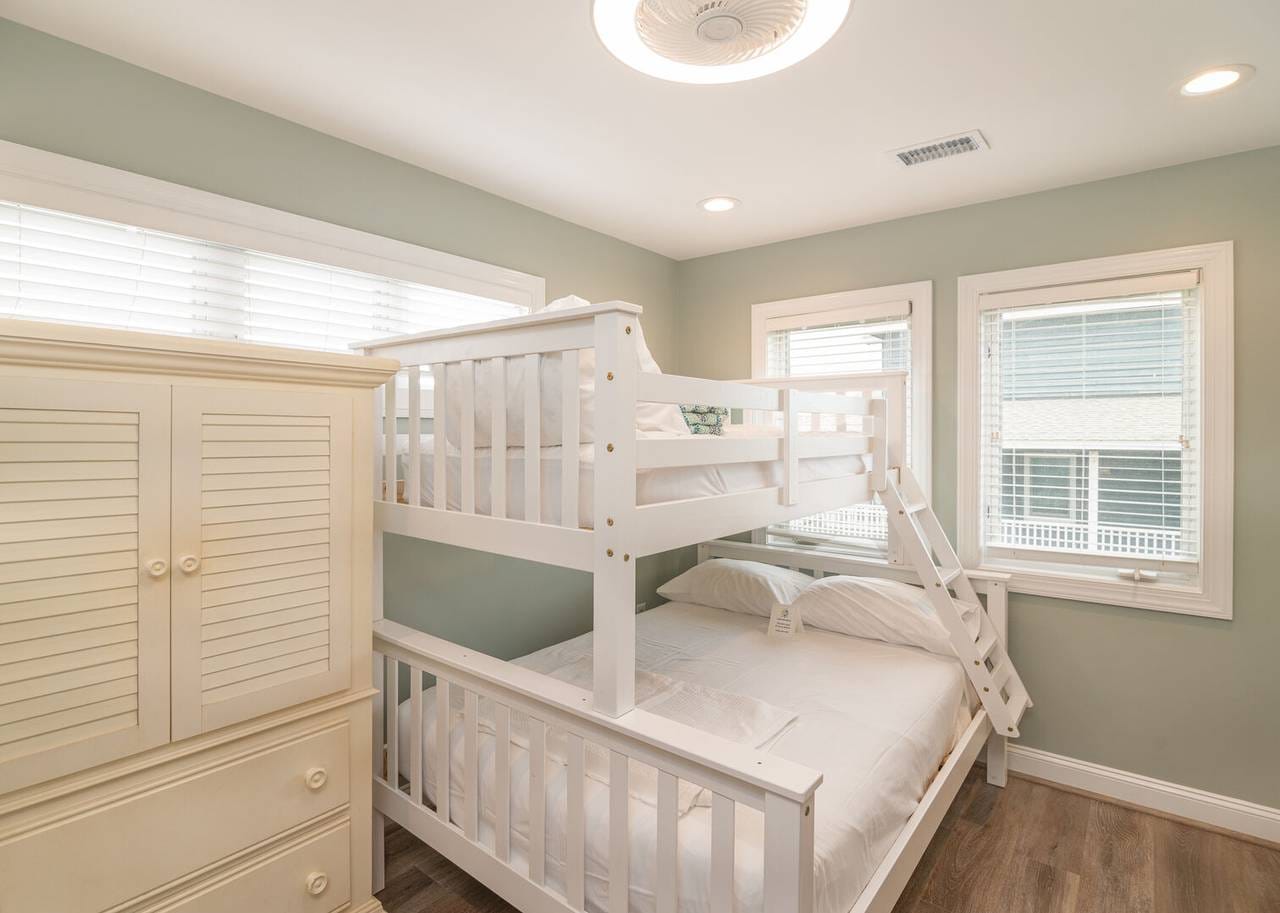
(317, 883)
(157, 567)
(189, 564)
(316, 778)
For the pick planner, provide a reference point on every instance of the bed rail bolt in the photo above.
(609, 552)
(609, 376)
(626, 557)
(628, 331)
(609, 448)
(609, 520)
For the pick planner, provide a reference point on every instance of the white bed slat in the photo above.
(415, 735)
(619, 833)
(468, 437)
(575, 826)
(570, 432)
(413, 468)
(668, 826)
(444, 718)
(498, 437)
(537, 801)
(722, 845)
(502, 781)
(389, 441)
(392, 681)
(788, 855)
(532, 439)
(440, 493)
(471, 766)
(790, 451)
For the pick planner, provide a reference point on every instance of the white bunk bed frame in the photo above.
(623, 532)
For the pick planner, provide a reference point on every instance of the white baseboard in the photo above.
(1186, 802)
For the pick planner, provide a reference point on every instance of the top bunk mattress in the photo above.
(876, 719)
(653, 486)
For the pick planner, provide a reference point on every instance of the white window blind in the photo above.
(840, 343)
(1090, 426)
(67, 268)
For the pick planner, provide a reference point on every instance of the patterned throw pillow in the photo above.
(705, 419)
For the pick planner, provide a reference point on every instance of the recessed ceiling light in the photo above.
(1216, 79)
(715, 43)
(719, 204)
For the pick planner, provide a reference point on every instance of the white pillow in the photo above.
(869, 607)
(739, 586)
(649, 416)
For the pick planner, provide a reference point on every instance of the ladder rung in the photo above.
(986, 643)
(916, 508)
(950, 575)
(1002, 673)
(1017, 706)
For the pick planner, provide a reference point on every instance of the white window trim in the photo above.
(45, 179)
(867, 304)
(1212, 597)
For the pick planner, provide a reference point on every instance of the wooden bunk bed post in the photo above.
(614, 564)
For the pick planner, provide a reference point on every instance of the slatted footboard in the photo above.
(494, 695)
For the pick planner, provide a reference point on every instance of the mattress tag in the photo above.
(784, 620)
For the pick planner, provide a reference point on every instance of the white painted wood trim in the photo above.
(1213, 597)
(51, 181)
(1160, 796)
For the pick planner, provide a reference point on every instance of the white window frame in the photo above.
(1211, 596)
(45, 179)
(867, 304)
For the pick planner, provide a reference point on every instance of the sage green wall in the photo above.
(1190, 700)
(65, 98)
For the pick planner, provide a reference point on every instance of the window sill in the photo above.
(1180, 599)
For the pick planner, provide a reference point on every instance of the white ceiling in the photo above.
(518, 97)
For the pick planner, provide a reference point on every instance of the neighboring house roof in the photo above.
(1121, 422)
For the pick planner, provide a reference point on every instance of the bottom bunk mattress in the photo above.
(876, 719)
(653, 486)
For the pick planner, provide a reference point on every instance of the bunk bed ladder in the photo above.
(985, 658)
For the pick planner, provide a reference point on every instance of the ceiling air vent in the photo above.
(941, 148)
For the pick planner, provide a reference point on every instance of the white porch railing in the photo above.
(858, 521)
(1105, 538)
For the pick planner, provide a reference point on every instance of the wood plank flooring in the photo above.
(1028, 848)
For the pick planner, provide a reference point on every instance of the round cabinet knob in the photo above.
(317, 883)
(316, 778)
(189, 564)
(157, 567)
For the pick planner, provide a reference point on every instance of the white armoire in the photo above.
(185, 683)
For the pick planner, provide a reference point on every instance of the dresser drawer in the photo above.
(311, 877)
(105, 854)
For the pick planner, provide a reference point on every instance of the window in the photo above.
(1095, 428)
(871, 330)
(73, 269)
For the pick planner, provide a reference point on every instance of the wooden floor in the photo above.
(1027, 848)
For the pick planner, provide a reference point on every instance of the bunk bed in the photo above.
(548, 442)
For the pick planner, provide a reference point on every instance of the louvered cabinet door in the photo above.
(262, 552)
(84, 586)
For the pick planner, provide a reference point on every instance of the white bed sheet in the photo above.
(876, 719)
(653, 486)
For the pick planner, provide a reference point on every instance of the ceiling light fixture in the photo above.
(1207, 82)
(716, 42)
(719, 204)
